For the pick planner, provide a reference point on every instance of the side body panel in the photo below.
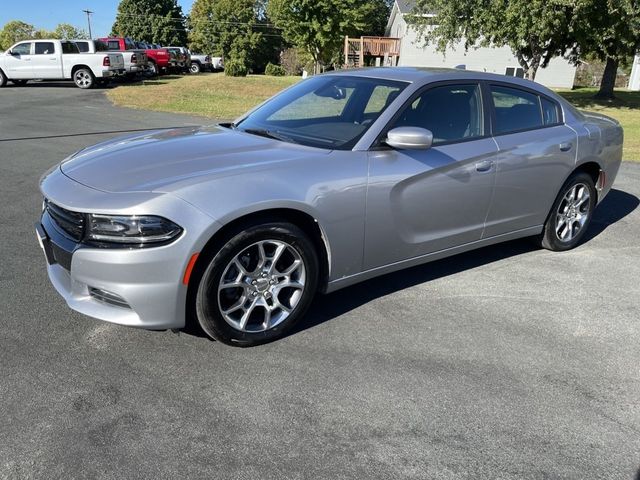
(531, 168)
(17, 66)
(47, 65)
(419, 202)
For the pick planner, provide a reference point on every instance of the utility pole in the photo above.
(88, 12)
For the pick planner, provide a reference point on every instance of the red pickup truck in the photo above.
(157, 58)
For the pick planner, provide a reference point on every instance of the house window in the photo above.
(514, 72)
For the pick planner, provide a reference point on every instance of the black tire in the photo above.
(3, 79)
(195, 68)
(208, 306)
(83, 78)
(556, 224)
(152, 69)
(19, 83)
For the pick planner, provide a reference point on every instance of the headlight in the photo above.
(131, 229)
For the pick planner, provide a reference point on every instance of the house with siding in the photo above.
(560, 73)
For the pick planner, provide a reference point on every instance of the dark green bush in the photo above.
(274, 70)
(235, 68)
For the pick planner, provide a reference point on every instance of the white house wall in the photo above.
(559, 73)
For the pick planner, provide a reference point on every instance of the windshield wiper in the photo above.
(263, 132)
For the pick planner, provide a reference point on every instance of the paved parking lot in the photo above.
(505, 363)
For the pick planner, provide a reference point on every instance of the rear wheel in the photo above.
(83, 78)
(152, 69)
(19, 83)
(258, 285)
(571, 214)
(3, 79)
(195, 68)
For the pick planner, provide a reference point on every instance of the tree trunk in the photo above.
(608, 79)
(534, 64)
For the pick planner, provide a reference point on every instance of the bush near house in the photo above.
(235, 68)
(274, 70)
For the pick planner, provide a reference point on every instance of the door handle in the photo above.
(484, 166)
(565, 147)
(27, 59)
(53, 59)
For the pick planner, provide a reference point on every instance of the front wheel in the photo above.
(571, 214)
(3, 79)
(195, 68)
(258, 285)
(83, 78)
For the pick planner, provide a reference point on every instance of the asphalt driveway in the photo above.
(504, 363)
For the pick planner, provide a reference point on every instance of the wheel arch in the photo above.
(303, 220)
(591, 168)
(75, 68)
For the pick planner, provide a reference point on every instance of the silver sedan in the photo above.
(338, 179)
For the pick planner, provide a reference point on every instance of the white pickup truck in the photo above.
(57, 60)
(135, 61)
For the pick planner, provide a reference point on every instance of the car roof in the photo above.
(436, 74)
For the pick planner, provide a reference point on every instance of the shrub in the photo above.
(295, 60)
(235, 68)
(274, 70)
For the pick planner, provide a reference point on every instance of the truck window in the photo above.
(45, 48)
(100, 46)
(113, 45)
(83, 46)
(22, 49)
(129, 44)
(69, 47)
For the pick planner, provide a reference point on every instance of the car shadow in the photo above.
(614, 207)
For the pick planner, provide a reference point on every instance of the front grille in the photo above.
(71, 223)
(109, 298)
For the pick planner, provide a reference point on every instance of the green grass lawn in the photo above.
(625, 108)
(220, 97)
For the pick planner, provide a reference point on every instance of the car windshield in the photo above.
(331, 111)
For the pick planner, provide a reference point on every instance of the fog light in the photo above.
(110, 298)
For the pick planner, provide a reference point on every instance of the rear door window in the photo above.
(45, 48)
(516, 109)
(69, 47)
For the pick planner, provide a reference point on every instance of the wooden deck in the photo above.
(387, 49)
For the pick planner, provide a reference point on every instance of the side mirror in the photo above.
(409, 138)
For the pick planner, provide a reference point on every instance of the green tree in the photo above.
(608, 30)
(228, 28)
(65, 30)
(15, 31)
(155, 21)
(319, 26)
(535, 30)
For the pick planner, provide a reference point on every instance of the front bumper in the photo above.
(147, 282)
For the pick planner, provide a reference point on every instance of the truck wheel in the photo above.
(195, 68)
(3, 79)
(83, 77)
(152, 69)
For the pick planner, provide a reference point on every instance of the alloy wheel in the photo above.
(261, 286)
(83, 79)
(573, 212)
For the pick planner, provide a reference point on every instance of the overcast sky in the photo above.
(48, 13)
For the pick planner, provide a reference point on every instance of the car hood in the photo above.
(157, 160)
